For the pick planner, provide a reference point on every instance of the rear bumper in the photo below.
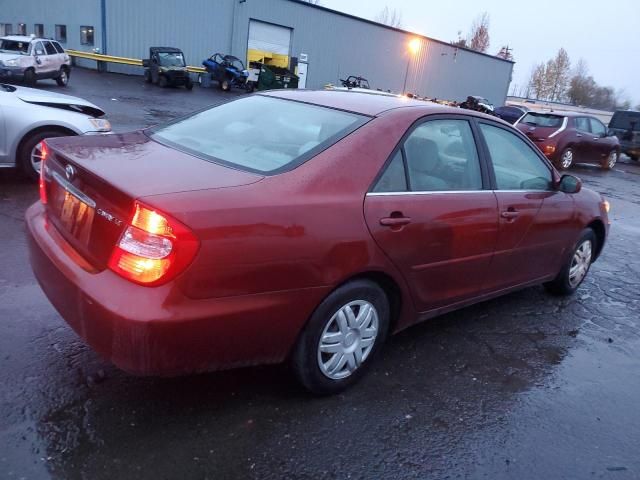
(159, 331)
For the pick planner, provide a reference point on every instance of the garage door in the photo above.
(269, 43)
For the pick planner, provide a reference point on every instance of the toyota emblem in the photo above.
(70, 172)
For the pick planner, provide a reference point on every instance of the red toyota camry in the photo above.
(302, 226)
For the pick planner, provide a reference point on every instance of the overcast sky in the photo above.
(605, 34)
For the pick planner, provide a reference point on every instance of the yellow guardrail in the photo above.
(98, 57)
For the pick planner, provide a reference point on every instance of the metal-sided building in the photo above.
(323, 45)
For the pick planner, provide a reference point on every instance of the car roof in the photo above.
(561, 113)
(165, 50)
(365, 103)
(21, 38)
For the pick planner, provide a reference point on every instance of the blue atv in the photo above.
(228, 71)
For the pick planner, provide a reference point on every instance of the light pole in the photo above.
(413, 47)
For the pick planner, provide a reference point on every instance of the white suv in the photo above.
(31, 58)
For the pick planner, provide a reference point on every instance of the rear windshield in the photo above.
(542, 120)
(626, 121)
(258, 133)
(12, 46)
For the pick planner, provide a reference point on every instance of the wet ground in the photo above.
(528, 386)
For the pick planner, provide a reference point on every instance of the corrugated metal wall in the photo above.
(337, 45)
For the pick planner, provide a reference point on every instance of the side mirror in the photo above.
(611, 133)
(570, 184)
(145, 63)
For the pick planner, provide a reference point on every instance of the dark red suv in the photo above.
(571, 137)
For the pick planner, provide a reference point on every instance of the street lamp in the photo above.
(413, 47)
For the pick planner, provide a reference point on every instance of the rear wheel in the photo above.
(566, 159)
(30, 76)
(63, 77)
(162, 81)
(225, 85)
(147, 76)
(575, 270)
(611, 160)
(189, 84)
(30, 153)
(342, 336)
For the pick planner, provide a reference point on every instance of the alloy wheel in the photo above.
(567, 159)
(580, 263)
(613, 158)
(36, 157)
(348, 339)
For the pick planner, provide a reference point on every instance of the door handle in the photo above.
(596, 138)
(578, 135)
(394, 221)
(509, 214)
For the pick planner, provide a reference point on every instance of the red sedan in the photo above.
(302, 226)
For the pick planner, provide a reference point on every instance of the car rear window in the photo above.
(259, 133)
(542, 120)
(626, 121)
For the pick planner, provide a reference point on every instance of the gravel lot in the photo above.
(527, 386)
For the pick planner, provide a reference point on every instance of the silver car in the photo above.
(28, 116)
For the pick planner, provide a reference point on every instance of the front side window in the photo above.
(597, 128)
(86, 35)
(22, 29)
(582, 124)
(515, 164)
(394, 178)
(259, 133)
(38, 30)
(441, 155)
(38, 48)
(61, 33)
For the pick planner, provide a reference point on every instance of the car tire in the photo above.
(576, 268)
(147, 76)
(611, 160)
(29, 148)
(189, 85)
(225, 85)
(332, 352)
(63, 77)
(30, 77)
(163, 82)
(567, 159)
(250, 87)
(634, 157)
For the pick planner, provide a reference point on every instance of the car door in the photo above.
(602, 144)
(584, 145)
(432, 212)
(534, 217)
(40, 59)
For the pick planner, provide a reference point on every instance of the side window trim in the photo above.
(484, 169)
(487, 155)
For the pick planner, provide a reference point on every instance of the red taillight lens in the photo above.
(44, 149)
(153, 249)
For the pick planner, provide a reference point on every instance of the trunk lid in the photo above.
(92, 183)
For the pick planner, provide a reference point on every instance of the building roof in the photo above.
(388, 27)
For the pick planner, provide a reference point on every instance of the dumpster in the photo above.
(271, 77)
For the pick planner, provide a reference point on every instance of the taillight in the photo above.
(44, 152)
(153, 249)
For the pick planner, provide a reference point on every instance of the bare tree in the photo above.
(461, 41)
(559, 75)
(479, 38)
(391, 17)
(506, 53)
(538, 81)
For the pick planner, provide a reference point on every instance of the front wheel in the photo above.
(189, 85)
(575, 270)
(566, 159)
(30, 154)
(163, 82)
(63, 77)
(225, 85)
(611, 160)
(342, 336)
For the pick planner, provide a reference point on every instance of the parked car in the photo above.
(228, 71)
(308, 231)
(479, 104)
(625, 124)
(166, 67)
(571, 137)
(29, 116)
(31, 59)
(511, 113)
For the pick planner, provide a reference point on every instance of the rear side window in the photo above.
(58, 47)
(50, 48)
(542, 120)
(582, 123)
(515, 164)
(438, 155)
(259, 133)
